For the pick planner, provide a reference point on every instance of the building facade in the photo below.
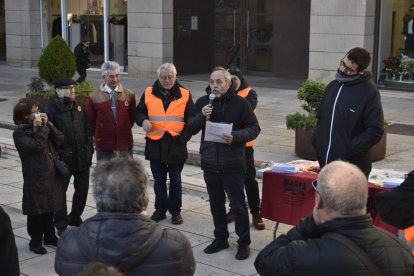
(295, 39)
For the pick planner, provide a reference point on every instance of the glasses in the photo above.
(315, 184)
(347, 69)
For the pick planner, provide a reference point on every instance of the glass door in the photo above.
(243, 34)
(259, 32)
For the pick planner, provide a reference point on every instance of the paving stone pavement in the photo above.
(275, 143)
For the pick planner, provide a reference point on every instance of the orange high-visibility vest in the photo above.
(243, 93)
(172, 120)
(407, 235)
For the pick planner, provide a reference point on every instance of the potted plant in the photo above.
(311, 93)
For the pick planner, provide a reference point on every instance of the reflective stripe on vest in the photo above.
(243, 93)
(172, 120)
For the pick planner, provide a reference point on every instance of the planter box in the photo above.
(303, 144)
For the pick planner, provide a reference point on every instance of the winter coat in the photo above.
(82, 56)
(230, 108)
(110, 134)
(305, 251)
(9, 258)
(168, 149)
(396, 206)
(41, 190)
(357, 123)
(131, 242)
(77, 148)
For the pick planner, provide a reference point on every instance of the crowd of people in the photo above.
(337, 238)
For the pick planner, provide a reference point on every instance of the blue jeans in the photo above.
(173, 200)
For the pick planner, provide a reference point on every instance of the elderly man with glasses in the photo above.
(350, 117)
(338, 238)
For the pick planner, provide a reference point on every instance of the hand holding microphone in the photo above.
(209, 108)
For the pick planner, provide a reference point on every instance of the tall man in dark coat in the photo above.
(163, 112)
(340, 208)
(222, 159)
(350, 118)
(70, 117)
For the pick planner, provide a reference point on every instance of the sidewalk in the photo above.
(274, 143)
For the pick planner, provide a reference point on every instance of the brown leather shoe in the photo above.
(258, 221)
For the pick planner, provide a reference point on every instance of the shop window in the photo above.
(396, 44)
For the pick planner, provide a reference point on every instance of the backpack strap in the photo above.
(362, 255)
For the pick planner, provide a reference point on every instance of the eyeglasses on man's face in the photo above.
(315, 184)
(348, 70)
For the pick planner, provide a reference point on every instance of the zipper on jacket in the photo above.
(332, 121)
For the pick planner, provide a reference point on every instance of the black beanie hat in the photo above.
(63, 82)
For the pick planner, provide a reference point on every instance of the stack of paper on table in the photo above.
(286, 168)
(392, 182)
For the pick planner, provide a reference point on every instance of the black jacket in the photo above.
(9, 258)
(357, 123)
(305, 251)
(131, 242)
(41, 190)
(231, 108)
(168, 149)
(77, 148)
(396, 207)
(82, 56)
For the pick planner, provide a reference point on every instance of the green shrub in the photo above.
(84, 88)
(311, 92)
(57, 61)
(36, 85)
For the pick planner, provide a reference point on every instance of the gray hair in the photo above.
(166, 66)
(227, 75)
(120, 185)
(343, 188)
(109, 66)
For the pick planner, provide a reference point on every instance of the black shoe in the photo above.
(158, 216)
(51, 241)
(38, 249)
(229, 216)
(176, 218)
(243, 252)
(216, 246)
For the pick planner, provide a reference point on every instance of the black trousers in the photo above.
(250, 183)
(39, 227)
(82, 73)
(81, 186)
(232, 184)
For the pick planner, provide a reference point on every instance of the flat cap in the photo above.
(63, 82)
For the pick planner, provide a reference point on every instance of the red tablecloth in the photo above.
(286, 198)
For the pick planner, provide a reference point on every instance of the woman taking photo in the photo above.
(33, 138)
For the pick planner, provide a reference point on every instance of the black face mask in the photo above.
(345, 75)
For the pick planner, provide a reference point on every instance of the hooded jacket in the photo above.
(230, 108)
(305, 251)
(350, 122)
(131, 242)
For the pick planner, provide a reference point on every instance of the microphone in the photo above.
(211, 97)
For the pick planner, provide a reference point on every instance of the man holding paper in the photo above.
(227, 123)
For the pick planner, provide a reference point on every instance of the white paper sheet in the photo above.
(214, 131)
